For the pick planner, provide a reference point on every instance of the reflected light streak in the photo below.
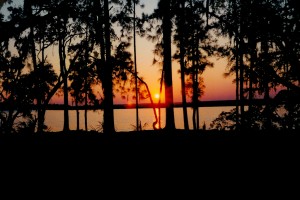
(158, 125)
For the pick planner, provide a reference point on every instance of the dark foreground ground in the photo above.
(159, 137)
(242, 164)
(216, 149)
(209, 139)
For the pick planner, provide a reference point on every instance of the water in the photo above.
(125, 118)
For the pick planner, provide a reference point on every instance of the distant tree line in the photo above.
(92, 40)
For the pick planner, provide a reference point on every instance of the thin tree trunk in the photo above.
(167, 29)
(195, 84)
(237, 84)
(265, 49)
(182, 67)
(99, 28)
(135, 69)
(241, 65)
(41, 116)
(85, 113)
(197, 108)
(195, 97)
(86, 86)
(150, 97)
(242, 99)
(236, 43)
(35, 67)
(99, 19)
(109, 126)
(253, 59)
(62, 58)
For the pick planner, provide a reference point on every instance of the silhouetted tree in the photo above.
(259, 54)
(28, 4)
(263, 51)
(198, 46)
(181, 25)
(16, 91)
(107, 82)
(165, 10)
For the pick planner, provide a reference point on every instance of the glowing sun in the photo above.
(156, 96)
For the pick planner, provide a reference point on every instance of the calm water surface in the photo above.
(125, 118)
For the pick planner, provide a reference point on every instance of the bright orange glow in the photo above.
(156, 96)
(157, 126)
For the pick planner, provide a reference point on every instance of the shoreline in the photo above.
(177, 136)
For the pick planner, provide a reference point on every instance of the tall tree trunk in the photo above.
(237, 93)
(195, 93)
(35, 67)
(167, 30)
(108, 126)
(28, 11)
(195, 82)
(182, 66)
(242, 99)
(41, 116)
(99, 20)
(241, 66)
(135, 69)
(253, 58)
(266, 62)
(62, 59)
(85, 112)
(236, 43)
(86, 85)
(99, 30)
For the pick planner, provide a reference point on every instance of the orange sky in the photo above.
(217, 87)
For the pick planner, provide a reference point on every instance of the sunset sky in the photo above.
(217, 87)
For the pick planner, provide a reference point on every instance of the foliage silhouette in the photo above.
(91, 39)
